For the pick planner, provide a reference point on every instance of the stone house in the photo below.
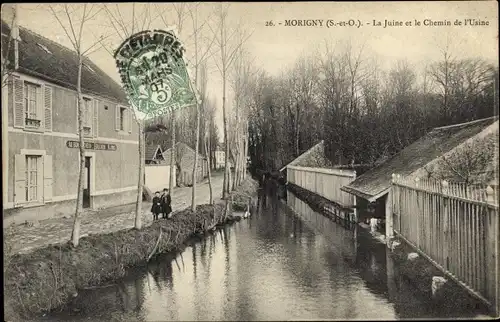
(39, 106)
(184, 159)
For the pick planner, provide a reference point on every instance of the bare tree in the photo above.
(227, 50)
(441, 74)
(240, 82)
(368, 112)
(180, 16)
(470, 163)
(74, 30)
(208, 108)
(8, 64)
(302, 82)
(140, 20)
(200, 56)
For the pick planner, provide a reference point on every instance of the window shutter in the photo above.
(96, 118)
(47, 178)
(20, 179)
(39, 178)
(117, 117)
(39, 105)
(130, 116)
(19, 112)
(47, 107)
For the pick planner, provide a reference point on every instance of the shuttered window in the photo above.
(95, 118)
(32, 104)
(32, 172)
(33, 178)
(47, 95)
(87, 116)
(123, 110)
(123, 119)
(30, 100)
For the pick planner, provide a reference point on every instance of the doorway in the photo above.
(86, 184)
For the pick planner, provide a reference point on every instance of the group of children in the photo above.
(161, 204)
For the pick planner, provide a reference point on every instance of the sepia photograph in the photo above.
(250, 161)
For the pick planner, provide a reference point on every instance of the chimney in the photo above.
(15, 36)
(10, 16)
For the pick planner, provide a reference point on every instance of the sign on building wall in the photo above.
(92, 146)
(154, 74)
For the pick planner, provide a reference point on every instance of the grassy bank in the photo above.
(241, 197)
(48, 277)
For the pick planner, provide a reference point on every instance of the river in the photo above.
(276, 265)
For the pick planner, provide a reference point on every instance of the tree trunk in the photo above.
(75, 235)
(245, 152)
(240, 153)
(207, 142)
(195, 167)
(242, 158)
(138, 204)
(229, 180)
(236, 162)
(297, 149)
(173, 168)
(240, 167)
(225, 186)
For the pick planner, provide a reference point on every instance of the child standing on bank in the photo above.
(156, 208)
(166, 202)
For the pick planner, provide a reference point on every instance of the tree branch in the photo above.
(89, 50)
(115, 23)
(63, 27)
(232, 54)
(122, 21)
(70, 24)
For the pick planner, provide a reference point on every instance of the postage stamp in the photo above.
(153, 72)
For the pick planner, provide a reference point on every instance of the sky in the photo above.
(276, 48)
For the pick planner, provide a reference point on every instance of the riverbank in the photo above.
(48, 277)
(417, 270)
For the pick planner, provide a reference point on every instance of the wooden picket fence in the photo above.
(456, 227)
(324, 182)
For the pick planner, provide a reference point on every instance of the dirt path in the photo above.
(23, 239)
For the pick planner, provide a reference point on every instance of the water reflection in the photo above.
(278, 264)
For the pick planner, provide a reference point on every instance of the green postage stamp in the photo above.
(154, 74)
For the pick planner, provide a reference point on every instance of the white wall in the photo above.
(158, 177)
(219, 159)
(324, 182)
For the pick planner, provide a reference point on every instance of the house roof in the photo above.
(60, 65)
(167, 152)
(375, 183)
(151, 151)
(320, 145)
